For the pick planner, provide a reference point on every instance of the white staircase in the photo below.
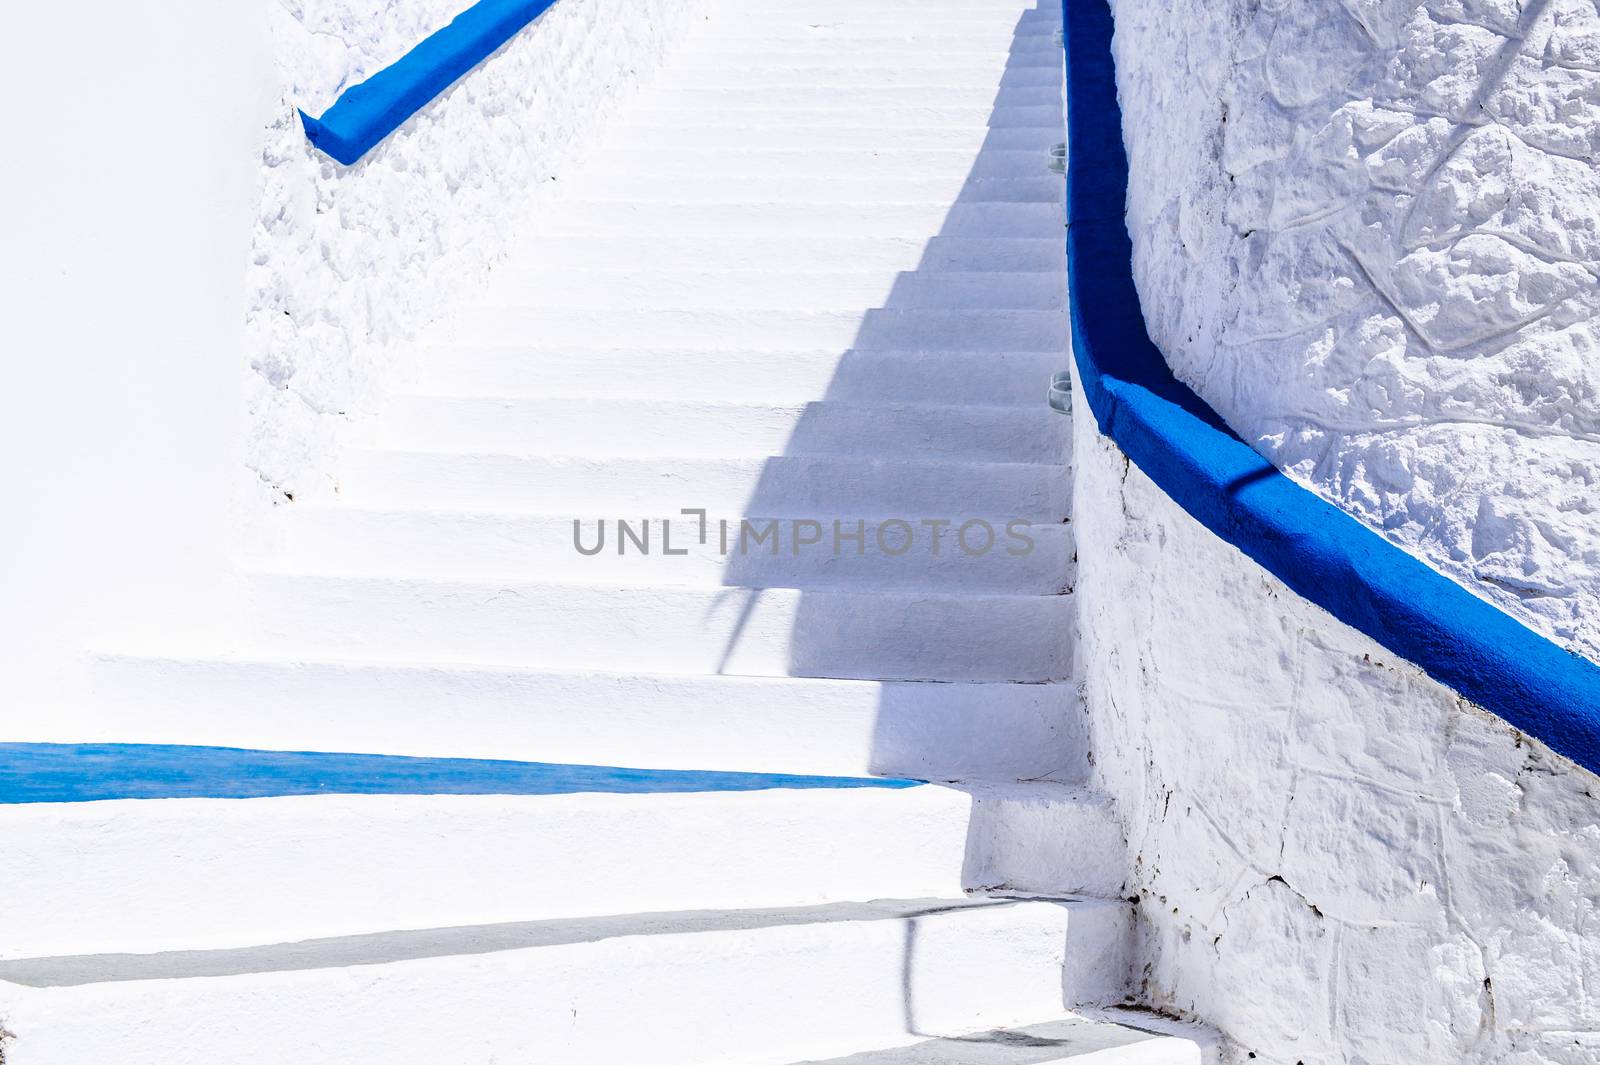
(816, 276)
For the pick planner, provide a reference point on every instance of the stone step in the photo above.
(838, 164)
(651, 221)
(924, 115)
(860, 555)
(206, 873)
(1018, 13)
(984, 731)
(987, 71)
(1010, 32)
(883, 329)
(644, 284)
(711, 987)
(781, 486)
(939, 64)
(707, 429)
(698, 253)
(1030, 183)
(1021, 12)
(1010, 378)
(865, 97)
(758, 23)
(719, 136)
(779, 632)
(1099, 1037)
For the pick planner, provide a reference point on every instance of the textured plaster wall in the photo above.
(1368, 233)
(348, 263)
(1335, 860)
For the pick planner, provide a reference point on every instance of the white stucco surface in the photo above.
(194, 869)
(1335, 859)
(770, 986)
(1368, 233)
(349, 262)
(130, 187)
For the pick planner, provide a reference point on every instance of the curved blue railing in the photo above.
(366, 113)
(1182, 445)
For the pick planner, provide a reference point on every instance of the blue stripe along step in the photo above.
(86, 772)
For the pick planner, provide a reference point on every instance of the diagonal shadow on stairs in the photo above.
(936, 413)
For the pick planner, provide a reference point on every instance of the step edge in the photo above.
(392, 454)
(265, 571)
(401, 946)
(268, 659)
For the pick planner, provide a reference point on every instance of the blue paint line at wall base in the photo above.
(77, 772)
(364, 114)
(1181, 444)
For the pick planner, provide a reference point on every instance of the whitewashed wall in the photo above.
(132, 139)
(197, 304)
(348, 263)
(1335, 860)
(1368, 233)
(1362, 233)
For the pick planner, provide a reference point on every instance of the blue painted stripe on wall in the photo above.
(364, 114)
(1319, 551)
(85, 772)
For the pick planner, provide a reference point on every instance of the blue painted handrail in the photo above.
(366, 113)
(1181, 444)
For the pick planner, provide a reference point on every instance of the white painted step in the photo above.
(755, 20)
(698, 988)
(993, 731)
(646, 285)
(761, 28)
(639, 428)
(988, 377)
(755, 25)
(977, 115)
(1024, 559)
(652, 221)
(995, 48)
(1034, 184)
(781, 486)
(1100, 1037)
(198, 874)
(856, 9)
(861, 163)
(865, 97)
(834, 10)
(993, 59)
(694, 253)
(720, 136)
(978, 72)
(834, 13)
(884, 329)
(997, 38)
(831, 11)
(965, 38)
(778, 632)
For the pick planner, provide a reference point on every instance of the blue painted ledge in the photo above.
(1182, 445)
(61, 772)
(364, 114)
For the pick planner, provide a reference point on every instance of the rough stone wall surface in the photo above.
(1368, 233)
(349, 262)
(1335, 859)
